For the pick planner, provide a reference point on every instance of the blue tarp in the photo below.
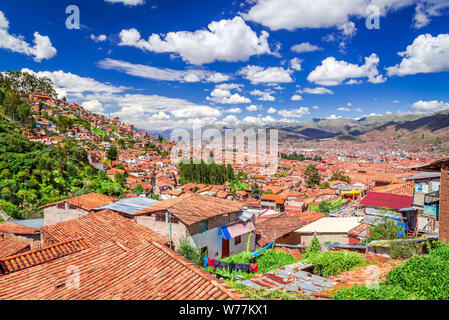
(225, 233)
(258, 252)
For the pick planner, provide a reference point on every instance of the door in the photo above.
(225, 248)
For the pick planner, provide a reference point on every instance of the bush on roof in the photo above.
(425, 277)
(331, 263)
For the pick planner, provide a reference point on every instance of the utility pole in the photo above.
(169, 220)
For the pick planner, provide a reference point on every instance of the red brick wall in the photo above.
(444, 203)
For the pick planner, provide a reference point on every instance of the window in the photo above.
(237, 240)
(160, 217)
(203, 226)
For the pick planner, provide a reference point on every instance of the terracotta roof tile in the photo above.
(107, 272)
(11, 246)
(9, 227)
(31, 258)
(102, 226)
(193, 208)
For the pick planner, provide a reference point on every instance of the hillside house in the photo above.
(73, 208)
(215, 225)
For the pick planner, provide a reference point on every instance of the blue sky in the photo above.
(163, 64)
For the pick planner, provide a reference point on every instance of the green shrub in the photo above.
(314, 247)
(273, 259)
(331, 263)
(425, 277)
(386, 230)
(383, 292)
(403, 250)
(190, 252)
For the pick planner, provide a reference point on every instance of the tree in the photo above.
(338, 175)
(138, 190)
(387, 229)
(312, 175)
(255, 191)
(112, 153)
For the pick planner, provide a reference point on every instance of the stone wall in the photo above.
(444, 203)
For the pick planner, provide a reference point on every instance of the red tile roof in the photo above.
(87, 201)
(9, 227)
(35, 257)
(193, 208)
(11, 246)
(99, 227)
(386, 200)
(272, 227)
(111, 272)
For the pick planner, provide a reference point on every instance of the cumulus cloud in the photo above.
(225, 40)
(99, 38)
(317, 90)
(233, 110)
(343, 109)
(67, 83)
(257, 74)
(332, 72)
(426, 9)
(149, 72)
(427, 54)
(430, 106)
(305, 47)
(225, 96)
(253, 107)
(42, 49)
(296, 97)
(296, 14)
(130, 3)
(263, 95)
(295, 113)
(93, 106)
(295, 64)
(271, 110)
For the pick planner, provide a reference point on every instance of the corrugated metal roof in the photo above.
(32, 223)
(129, 205)
(424, 175)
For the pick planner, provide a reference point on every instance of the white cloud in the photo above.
(257, 74)
(427, 54)
(226, 40)
(229, 86)
(149, 72)
(225, 96)
(271, 110)
(233, 110)
(357, 110)
(349, 104)
(296, 97)
(426, 9)
(127, 2)
(93, 106)
(334, 117)
(295, 14)
(430, 106)
(67, 83)
(42, 49)
(396, 101)
(295, 113)
(315, 107)
(253, 107)
(295, 64)
(258, 120)
(99, 38)
(317, 90)
(332, 72)
(351, 82)
(344, 109)
(305, 47)
(263, 95)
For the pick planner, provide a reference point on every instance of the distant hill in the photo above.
(391, 126)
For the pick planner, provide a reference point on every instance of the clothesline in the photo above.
(229, 266)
